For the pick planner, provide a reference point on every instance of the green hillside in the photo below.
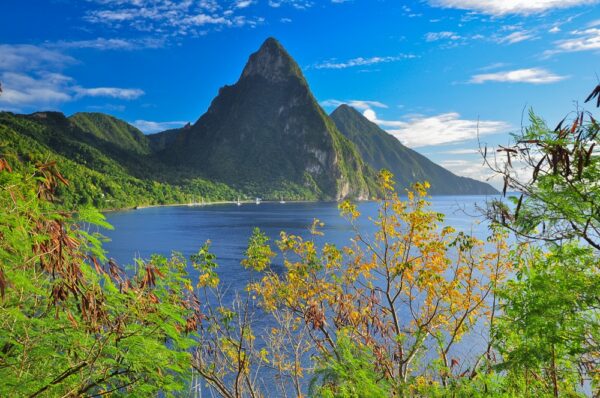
(383, 151)
(94, 177)
(112, 130)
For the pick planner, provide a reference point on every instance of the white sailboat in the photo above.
(258, 200)
(238, 201)
(281, 200)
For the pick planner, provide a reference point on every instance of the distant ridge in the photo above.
(111, 129)
(381, 150)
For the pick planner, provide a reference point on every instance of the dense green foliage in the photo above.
(350, 372)
(549, 333)
(560, 194)
(380, 150)
(112, 130)
(98, 173)
(73, 324)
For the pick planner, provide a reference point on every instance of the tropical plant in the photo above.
(548, 335)
(555, 173)
(350, 372)
(72, 322)
(408, 294)
(549, 332)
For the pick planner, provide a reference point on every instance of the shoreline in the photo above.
(220, 202)
(252, 202)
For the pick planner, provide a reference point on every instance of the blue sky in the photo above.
(427, 71)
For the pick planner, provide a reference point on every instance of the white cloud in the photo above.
(110, 92)
(20, 57)
(472, 169)
(30, 75)
(358, 104)
(31, 78)
(436, 36)
(505, 7)
(107, 108)
(110, 44)
(493, 66)
(175, 18)
(300, 4)
(371, 115)
(532, 75)
(465, 151)
(243, 3)
(297, 4)
(43, 89)
(583, 40)
(46, 89)
(150, 127)
(204, 19)
(360, 61)
(450, 39)
(517, 37)
(420, 131)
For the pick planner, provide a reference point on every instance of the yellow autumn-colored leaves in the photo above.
(412, 278)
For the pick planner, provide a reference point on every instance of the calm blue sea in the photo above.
(161, 230)
(140, 233)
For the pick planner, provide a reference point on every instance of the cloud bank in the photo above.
(531, 75)
(506, 7)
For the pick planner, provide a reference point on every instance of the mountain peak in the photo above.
(272, 62)
(381, 150)
(271, 43)
(345, 108)
(267, 134)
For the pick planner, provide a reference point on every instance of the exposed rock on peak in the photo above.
(272, 62)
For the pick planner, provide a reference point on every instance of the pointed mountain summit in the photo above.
(381, 150)
(273, 63)
(267, 135)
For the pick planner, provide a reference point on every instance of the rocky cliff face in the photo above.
(272, 63)
(267, 133)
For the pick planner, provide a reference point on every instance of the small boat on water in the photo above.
(238, 201)
(281, 201)
(195, 203)
(258, 200)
